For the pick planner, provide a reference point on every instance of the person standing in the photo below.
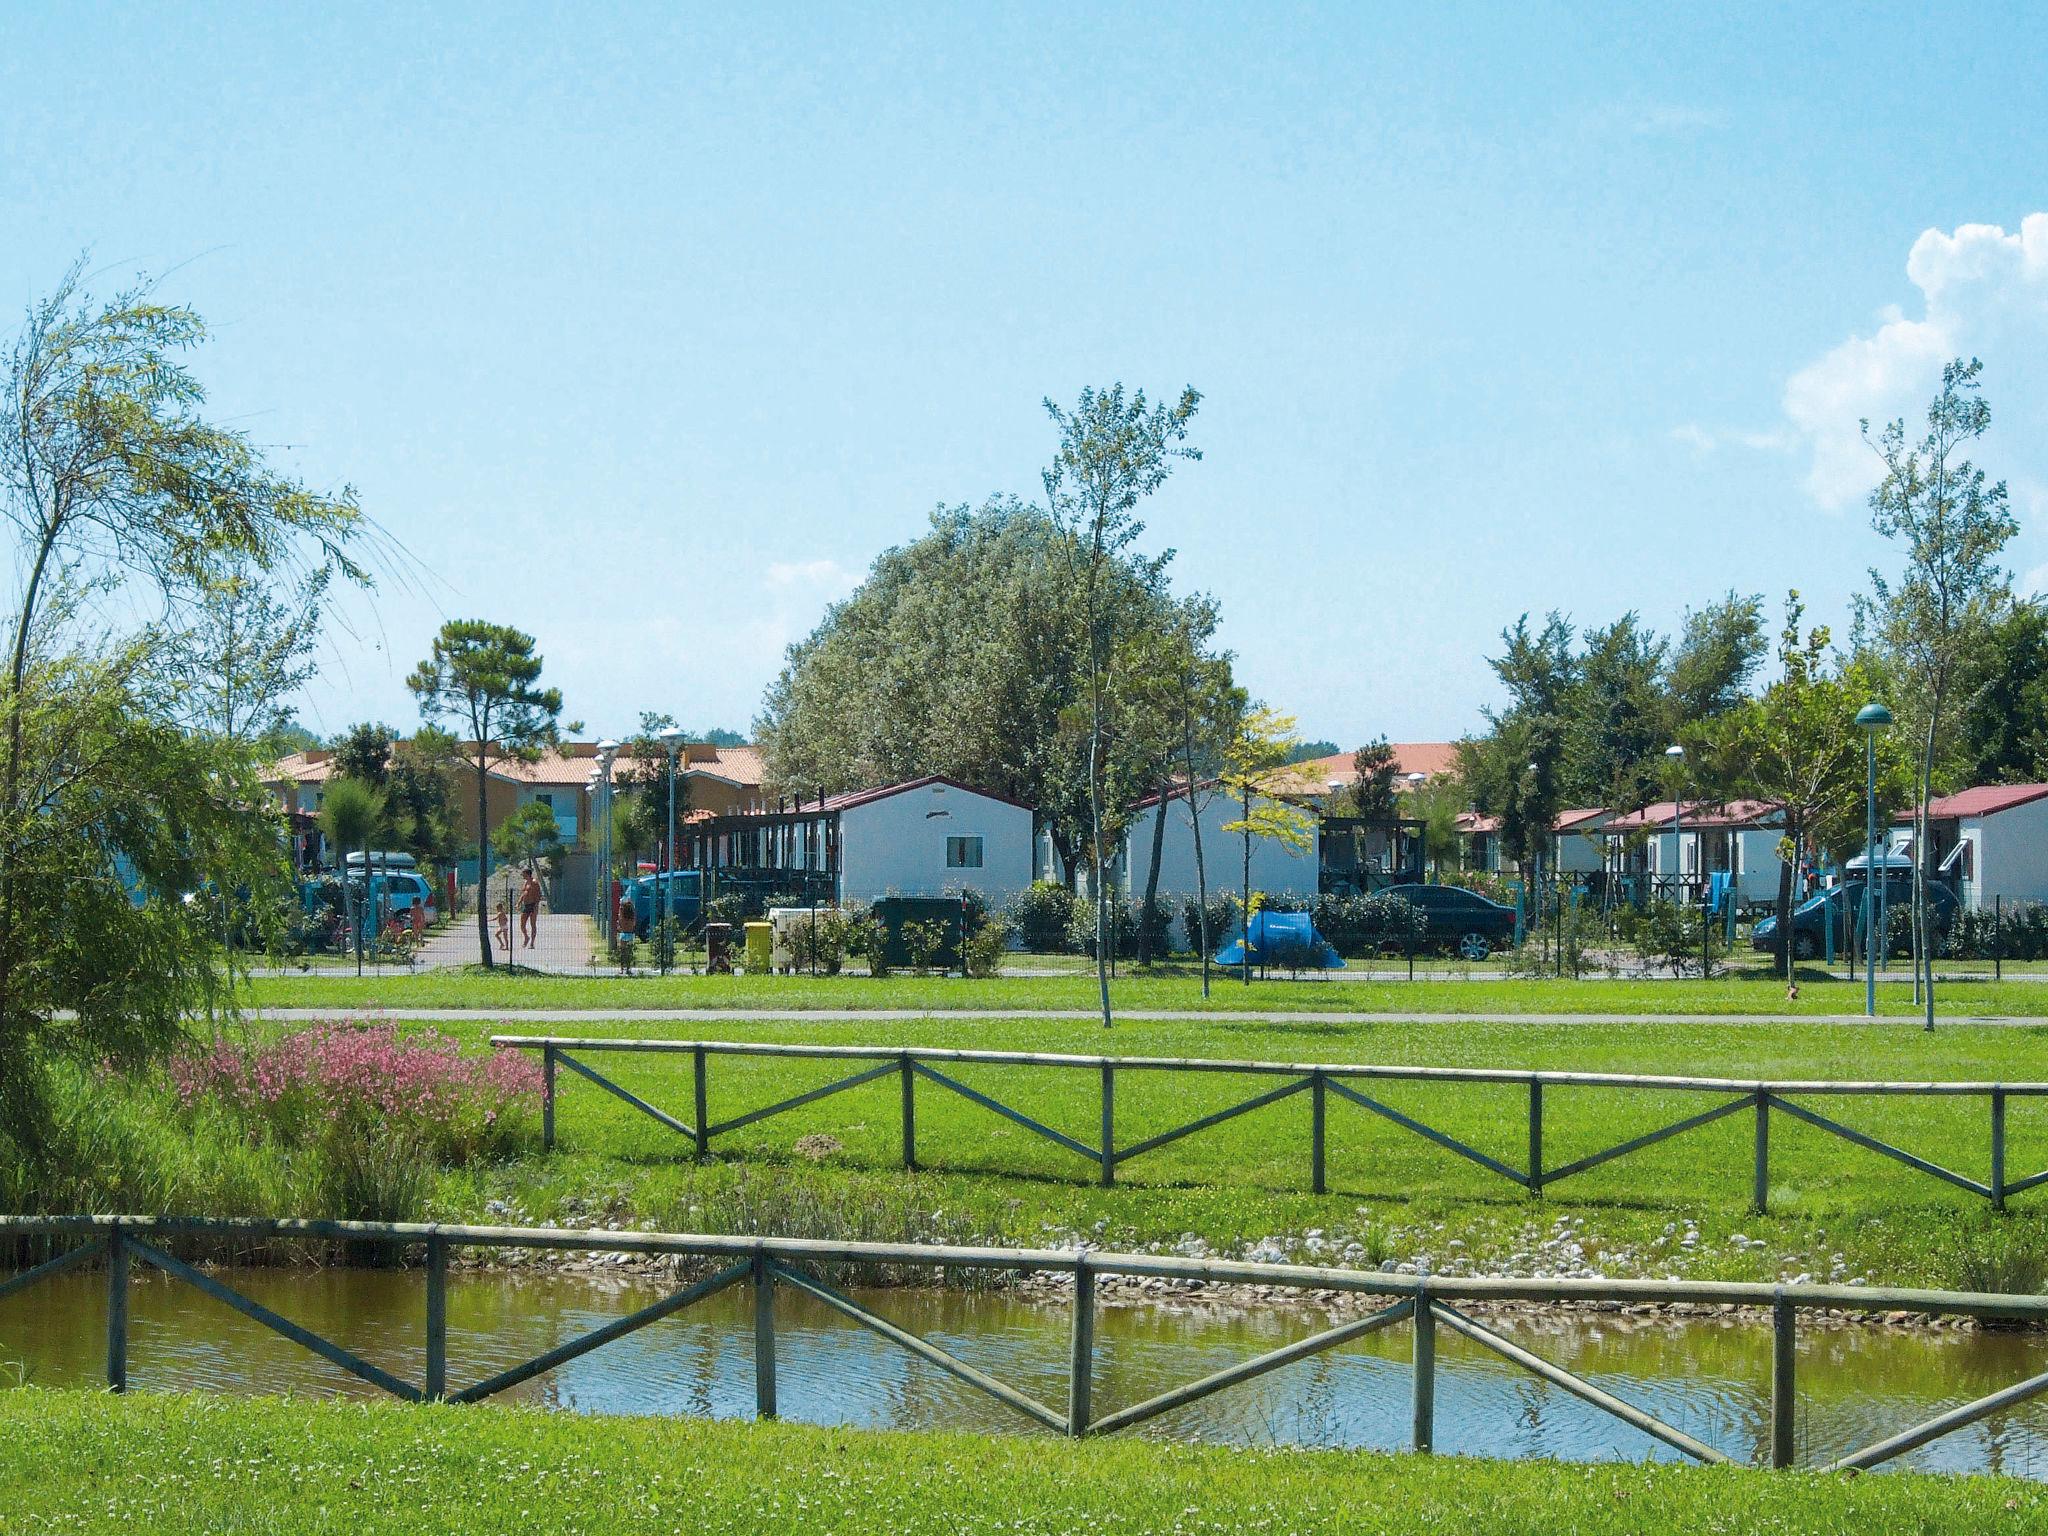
(529, 909)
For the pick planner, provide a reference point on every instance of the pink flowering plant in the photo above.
(361, 1084)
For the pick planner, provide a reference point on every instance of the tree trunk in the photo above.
(1920, 854)
(1152, 874)
(483, 858)
(1785, 875)
(1245, 911)
(1100, 894)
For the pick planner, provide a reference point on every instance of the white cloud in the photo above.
(1983, 293)
(1704, 440)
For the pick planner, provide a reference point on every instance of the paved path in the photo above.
(565, 944)
(1069, 1015)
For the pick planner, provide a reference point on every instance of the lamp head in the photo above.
(672, 739)
(1674, 751)
(1873, 716)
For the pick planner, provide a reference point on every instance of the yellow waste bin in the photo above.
(760, 948)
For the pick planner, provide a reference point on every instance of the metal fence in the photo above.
(1423, 1303)
(1319, 1081)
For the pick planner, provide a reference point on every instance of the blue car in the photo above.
(678, 894)
(1811, 918)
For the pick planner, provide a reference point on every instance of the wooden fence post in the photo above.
(1081, 1356)
(547, 1098)
(1535, 1136)
(764, 1338)
(1424, 1432)
(117, 1310)
(1108, 1124)
(702, 1071)
(909, 1114)
(1318, 1104)
(1760, 1182)
(1784, 1401)
(1998, 1149)
(436, 1386)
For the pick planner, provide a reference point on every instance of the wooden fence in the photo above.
(1318, 1080)
(1422, 1302)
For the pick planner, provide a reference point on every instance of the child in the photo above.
(502, 918)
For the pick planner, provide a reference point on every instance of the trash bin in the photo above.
(760, 948)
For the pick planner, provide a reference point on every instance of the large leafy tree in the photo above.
(960, 654)
(247, 646)
(486, 678)
(1796, 746)
(1255, 763)
(1952, 525)
(1372, 797)
(124, 500)
(2002, 725)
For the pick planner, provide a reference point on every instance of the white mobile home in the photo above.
(1992, 839)
(1277, 869)
(1679, 849)
(927, 837)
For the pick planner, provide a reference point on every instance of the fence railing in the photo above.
(766, 1264)
(1318, 1080)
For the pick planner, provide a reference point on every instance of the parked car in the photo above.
(1459, 920)
(678, 894)
(1811, 917)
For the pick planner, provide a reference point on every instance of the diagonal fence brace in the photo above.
(1430, 1133)
(1577, 1386)
(1258, 1101)
(49, 1267)
(633, 1099)
(597, 1338)
(1883, 1149)
(1650, 1139)
(1091, 1153)
(801, 1099)
(305, 1338)
(924, 1349)
(1246, 1370)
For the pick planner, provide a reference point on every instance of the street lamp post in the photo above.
(607, 754)
(1872, 718)
(672, 742)
(1676, 756)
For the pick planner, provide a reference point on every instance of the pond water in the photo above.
(1708, 1377)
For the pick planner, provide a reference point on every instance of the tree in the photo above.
(1438, 805)
(351, 815)
(1113, 452)
(1953, 526)
(1372, 797)
(420, 793)
(959, 654)
(246, 652)
(529, 836)
(1796, 747)
(2002, 726)
(1254, 765)
(1304, 751)
(364, 752)
(124, 499)
(485, 676)
(1717, 655)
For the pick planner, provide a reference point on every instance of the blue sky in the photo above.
(646, 333)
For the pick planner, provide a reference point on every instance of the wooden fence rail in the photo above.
(766, 1264)
(1319, 1080)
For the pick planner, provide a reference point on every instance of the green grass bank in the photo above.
(831, 1168)
(89, 1463)
(1747, 993)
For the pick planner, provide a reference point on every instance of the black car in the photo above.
(1461, 920)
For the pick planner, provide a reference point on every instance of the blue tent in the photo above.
(1286, 939)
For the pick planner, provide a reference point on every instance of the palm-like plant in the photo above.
(350, 813)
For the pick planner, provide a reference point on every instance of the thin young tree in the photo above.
(1209, 708)
(1952, 525)
(1114, 451)
(1254, 774)
(486, 678)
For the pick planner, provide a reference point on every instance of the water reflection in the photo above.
(1708, 1377)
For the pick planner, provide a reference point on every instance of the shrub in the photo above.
(1043, 915)
(1123, 930)
(922, 944)
(1363, 925)
(985, 947)
(344, 1086)
(867, 939)
(819, 942)
(1222, 920)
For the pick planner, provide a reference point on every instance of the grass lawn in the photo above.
(1747, 993)
(832, 1168)
(88, 1463)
